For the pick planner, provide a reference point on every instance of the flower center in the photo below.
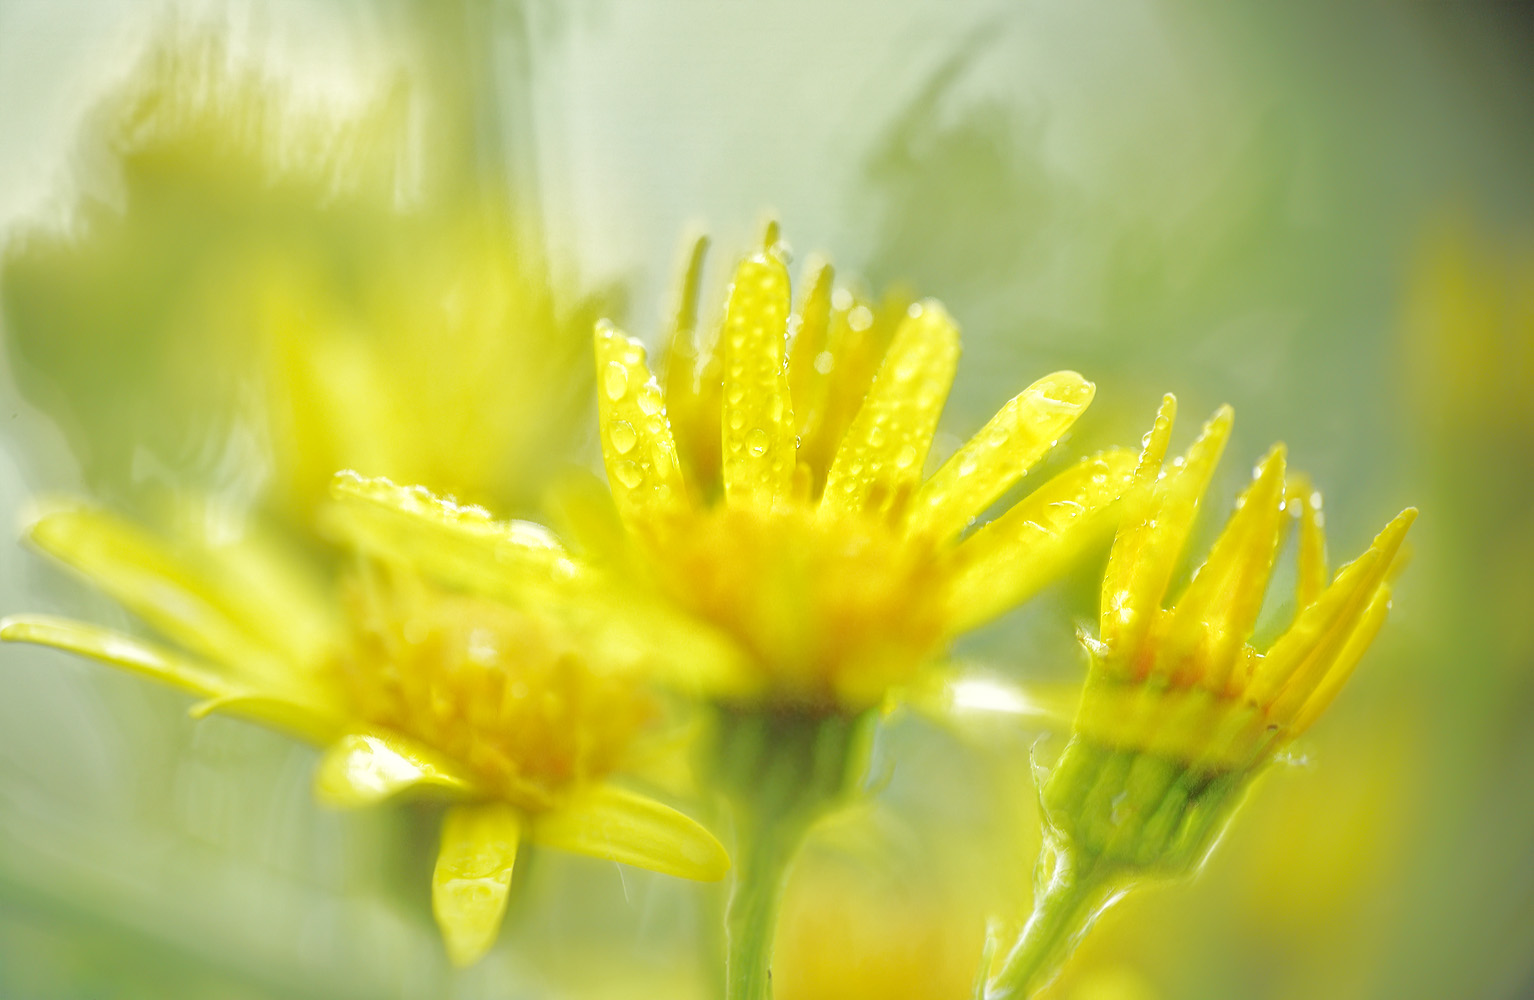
(832, 611)
(502, 692)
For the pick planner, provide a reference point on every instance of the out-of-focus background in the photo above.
(243, 244)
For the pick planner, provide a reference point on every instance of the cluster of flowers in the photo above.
(768, 550)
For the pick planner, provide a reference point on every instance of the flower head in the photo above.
(451, 662)
(1179, 710)
(774, 488)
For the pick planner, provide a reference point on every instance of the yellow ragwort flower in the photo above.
(1180, 712)
(454, 661)
(774, 487)
(1183, 683)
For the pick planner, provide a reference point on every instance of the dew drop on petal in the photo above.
(756, 442)
(622, 436)
(628, 474)
(615, 381)
(650, 399)
(905, 457)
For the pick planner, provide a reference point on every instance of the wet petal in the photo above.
(472, 879)
(1151, 537)
(880, 459)
(1215, 615)
(458, 544)
(1008, 446)
(637, 445)
(1298, 662)
(618, 825)
(133, 655)
(364, 768)
(1031, 544)
(1310, 556)
(757, 428)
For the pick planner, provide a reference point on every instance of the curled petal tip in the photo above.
(1070, 388)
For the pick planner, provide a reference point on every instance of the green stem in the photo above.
(782, 771)
(751, 919)
(1065, 905)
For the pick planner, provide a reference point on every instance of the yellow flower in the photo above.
(778, 494)
(1182, 683)
(454, 662)
(1180, 712)
(278, 267)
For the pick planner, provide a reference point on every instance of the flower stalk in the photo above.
(781, 772)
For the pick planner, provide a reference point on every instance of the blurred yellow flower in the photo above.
(427, 674)
(1180, 712)
(774, 487)
(271, 264)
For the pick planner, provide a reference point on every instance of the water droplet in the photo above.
(622, 436)
(968, 467)
(736, 394)
(650, 399)
(628, 474)
(615, 381)
(876, 436)
(756, 442)
(905, 457)
(737, 420)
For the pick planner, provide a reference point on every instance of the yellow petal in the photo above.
(637, 445)
(458, 544)
(1001, 454)
(757, 428)
(135, 569)
(1310, 557)
(1153, 446)
(364, 768)
(693, 389)
(1298, 662)
(305, 720)
(807, 385)
(1358, 642)
(1028, 546)
(618, 825)
(1151, 538)
(470, 884)
(133, 655)
(880, 460)
(1215, 615)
